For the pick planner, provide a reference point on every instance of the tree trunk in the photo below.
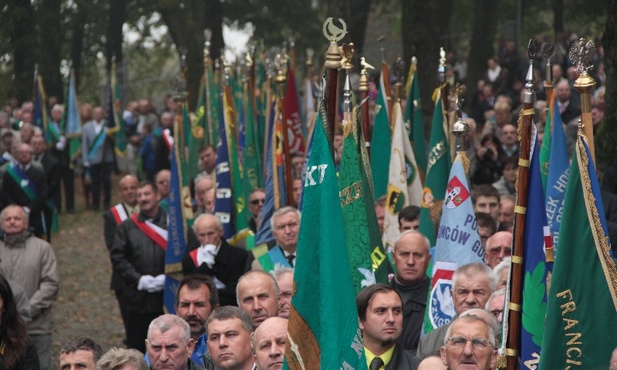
(421, 39)
(482, 40)
(22, 38)
(357, 12)
(186, 27)
(77, 41)
(606, 150)
(214, 22)
(113, 47)
(51, 36)
(558, 21)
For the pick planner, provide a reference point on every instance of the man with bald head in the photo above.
(411, 256)
(258, 295)
(498, 247)
(163, 185)
(127, 189)
(216, 258)
(269, 343)
(472, 284)
(24, 184)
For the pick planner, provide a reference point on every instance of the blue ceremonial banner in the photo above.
(178, 216)
(223, 204)
(264, 234)
(458, 244)
(535, 266)
(72, 124)
(40, 113)
(557, 179)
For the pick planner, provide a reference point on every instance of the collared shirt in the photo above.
(386, 357)
(98, 126)
(130, 210)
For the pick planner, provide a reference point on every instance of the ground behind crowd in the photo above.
(85, 305)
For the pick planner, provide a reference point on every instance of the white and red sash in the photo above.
(157, 234)
(119, 213)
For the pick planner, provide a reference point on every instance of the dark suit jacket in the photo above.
(13, 194)
(402, 360)
(109, 230)
(571, 112)
(229, 264)
(51, 166)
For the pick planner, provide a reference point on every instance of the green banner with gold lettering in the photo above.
(367, 259)
(582, 302)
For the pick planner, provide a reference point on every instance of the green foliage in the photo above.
(534, 309)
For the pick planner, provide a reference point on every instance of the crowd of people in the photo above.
(232, 306)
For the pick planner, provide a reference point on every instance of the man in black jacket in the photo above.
(411, 256)
(138, 256)
(127, 188)
(380, 315)
(51, 168)
(24, 184)
(217, 258)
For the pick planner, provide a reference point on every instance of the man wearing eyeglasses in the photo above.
(285, 224)
(469, 343)
(380, 316)
(256, 204)
(498, 247)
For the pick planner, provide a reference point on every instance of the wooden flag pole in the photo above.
(515, 302)
(332, 64)
(364, 94)
(580, 55)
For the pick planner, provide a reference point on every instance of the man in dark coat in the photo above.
(138, 256)
(24, 184)
(51, 167)
(217, 258)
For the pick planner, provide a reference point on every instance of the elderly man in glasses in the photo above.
(285, 224)
(469, 343)
(498, 247)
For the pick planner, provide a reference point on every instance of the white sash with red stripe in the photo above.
(157, 234)
(119, 213)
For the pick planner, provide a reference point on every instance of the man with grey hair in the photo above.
(229, 339)
(258, 295)
(489, 318)
(122, 359)
(496, 304)
(472, 284)
(285, 280)
(215, 257)
(469, 343)
(285, 224)
(169, 344)
(31, 263)
(411, 256)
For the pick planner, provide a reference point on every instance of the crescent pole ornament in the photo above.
(333, 32)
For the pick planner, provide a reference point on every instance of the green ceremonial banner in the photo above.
(582, 302)
(545, 151)
(414, 123)
(437, 173)
(252, 153)
(323, 330)
(240, 207)
(380, 143)
(197, 136)
(367, 258)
